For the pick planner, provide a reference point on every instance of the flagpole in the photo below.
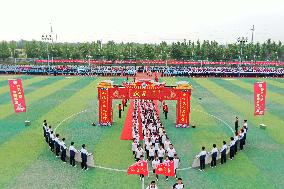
(143, 183)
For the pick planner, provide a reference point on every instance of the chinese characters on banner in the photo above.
(259, 98)
(144, 94)
(105, 106)
(17, 95)
(183, 108)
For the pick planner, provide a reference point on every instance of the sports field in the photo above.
(26, 162)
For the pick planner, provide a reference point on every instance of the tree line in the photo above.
(186, 50)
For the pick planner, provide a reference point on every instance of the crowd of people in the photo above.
(58, 146)
(157, 147)
(223, 71)
(118, 70)
(238, 140)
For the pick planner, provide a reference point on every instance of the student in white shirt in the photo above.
(167, 144)
(245, 135)
(157, 144)
(245, 124)
(171, 152)
(57, 145)
(232, 148)
(48, 134)
(72, 152)
(152, 185)
(155, 162)
(178, 184)
(84, 157)
(161, 153)
(223, 153)
(176, 164)
(214, 153)
(236, 139)
(147, 146)
(134, 146)
(139, 153)
(63, 150)
(51, 141)
(167, 160)
(151, 153)
(201, 157)
(241, 136)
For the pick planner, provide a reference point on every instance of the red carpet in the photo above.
(127, 128)
(157, 107)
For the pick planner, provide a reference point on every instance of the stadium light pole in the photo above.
(47, 38)
(252, 33)
(89, 60)
(277, 58)
(241, 41)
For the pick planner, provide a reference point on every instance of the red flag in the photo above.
(259, 98)
(17, 95)
(166, 168)
(139, 168)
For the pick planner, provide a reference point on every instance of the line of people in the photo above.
(58, 146)
(157, 146)
(238, 139)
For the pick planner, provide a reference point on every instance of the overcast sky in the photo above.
(142, 20)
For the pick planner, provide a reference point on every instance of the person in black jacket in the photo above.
(237, 124)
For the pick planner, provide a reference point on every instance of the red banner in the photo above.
(105, 107)
(166, 168)
(17, 95)
(259, 98)
(183, 108)
(139, 168)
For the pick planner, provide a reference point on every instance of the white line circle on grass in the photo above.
(225, 123)
(83, 111)
(123, 170)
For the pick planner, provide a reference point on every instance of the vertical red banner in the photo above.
(183, 109)
(259, 98)
(17, 95)
(105, 106)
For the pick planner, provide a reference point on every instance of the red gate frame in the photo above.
(144, 89)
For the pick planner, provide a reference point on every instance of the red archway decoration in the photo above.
(144, 89)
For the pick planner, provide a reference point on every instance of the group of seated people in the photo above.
(223, 71)
(105, 70)
(58, 146)
(157, 146)
(68, 70)
(238, 140)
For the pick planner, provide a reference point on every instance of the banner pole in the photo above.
(26, 113)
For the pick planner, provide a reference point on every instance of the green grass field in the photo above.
(26, 161)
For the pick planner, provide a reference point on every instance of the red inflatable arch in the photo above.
(144, 89)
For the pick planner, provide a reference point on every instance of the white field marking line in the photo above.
(183, 169)
(83, 111)
(225, 123)
(123, 170)
(110, 169)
